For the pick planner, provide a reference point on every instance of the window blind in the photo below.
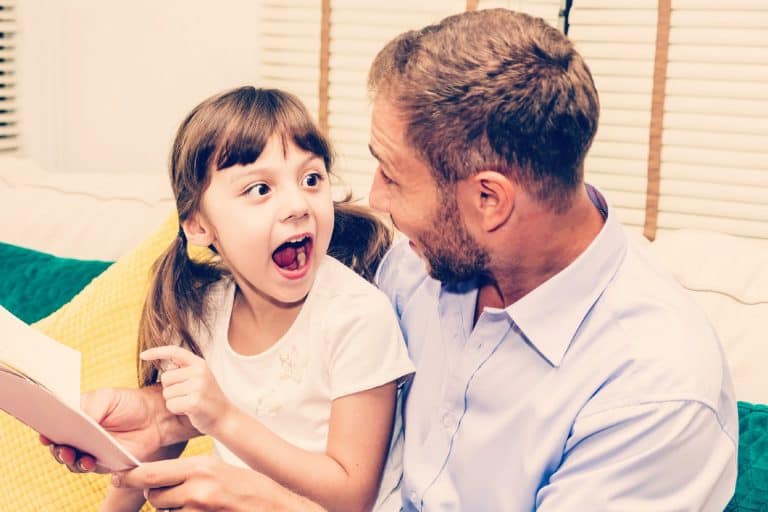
(9, 129)
(714, 157)
(546, 9)
(290, 42)
(358, 30)
(617, 39)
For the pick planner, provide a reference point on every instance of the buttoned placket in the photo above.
(471, 347)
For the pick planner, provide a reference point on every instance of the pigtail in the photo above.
(176, 295)
(360, 238)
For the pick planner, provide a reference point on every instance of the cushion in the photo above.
(752, 484)
(728, 276)
(101, 322)
(80, 215)
(36, 284)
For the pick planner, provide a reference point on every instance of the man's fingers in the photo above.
(150, 475)
(168, 498)
(76, 462)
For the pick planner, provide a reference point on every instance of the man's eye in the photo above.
(259, 189)
(312, 180)
(386, 178)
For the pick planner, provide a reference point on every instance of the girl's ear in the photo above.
(491, 196)
(197, 230)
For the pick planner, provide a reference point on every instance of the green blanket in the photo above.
(35, 284)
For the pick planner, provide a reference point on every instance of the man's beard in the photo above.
(451, 252)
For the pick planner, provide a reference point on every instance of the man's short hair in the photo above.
(493, 90)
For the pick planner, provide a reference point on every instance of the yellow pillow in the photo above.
(102, 323)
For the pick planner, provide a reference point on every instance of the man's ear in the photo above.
(492, 197)
(197, 230)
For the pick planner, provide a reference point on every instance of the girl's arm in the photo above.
(347, 475)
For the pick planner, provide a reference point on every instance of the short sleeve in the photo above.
(366, 347)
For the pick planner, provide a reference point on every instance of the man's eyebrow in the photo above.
(370, 148)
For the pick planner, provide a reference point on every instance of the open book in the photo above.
(40, 385)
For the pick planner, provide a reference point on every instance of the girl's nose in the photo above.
(295, 207)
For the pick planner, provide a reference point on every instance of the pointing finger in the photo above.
(176, 355)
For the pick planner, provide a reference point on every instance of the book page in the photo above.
(42, 359)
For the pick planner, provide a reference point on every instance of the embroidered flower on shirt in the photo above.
(293, 363)
(269, 403)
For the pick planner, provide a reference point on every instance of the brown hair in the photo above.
(494, 90)
(228, 129)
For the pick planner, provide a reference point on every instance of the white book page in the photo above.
(42, 359)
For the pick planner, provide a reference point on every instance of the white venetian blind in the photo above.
(9, 130)
(290, 56)
(358, 30)
(714, 157)
(617, 39)
(547, 9)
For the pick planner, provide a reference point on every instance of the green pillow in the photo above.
(34, 284)
(752, 484)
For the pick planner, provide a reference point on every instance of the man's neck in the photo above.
(550, 243)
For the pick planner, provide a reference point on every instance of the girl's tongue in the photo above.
(292, 255)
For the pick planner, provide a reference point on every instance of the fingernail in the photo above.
(81, 466)
(57, 455)
(115, 480)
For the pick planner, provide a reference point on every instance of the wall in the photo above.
(103, 85)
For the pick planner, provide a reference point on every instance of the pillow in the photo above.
(752, 484)
(86, 215)
(36, 284)
(102, 323)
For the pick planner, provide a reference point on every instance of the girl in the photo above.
(290, 359)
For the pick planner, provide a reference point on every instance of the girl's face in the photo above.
(270, 221)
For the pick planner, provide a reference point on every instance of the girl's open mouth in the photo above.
(292, 257)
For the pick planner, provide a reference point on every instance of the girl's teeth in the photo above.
(301, 258)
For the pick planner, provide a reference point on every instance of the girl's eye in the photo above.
(259, 189)
(312, 179)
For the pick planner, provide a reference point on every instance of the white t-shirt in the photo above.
(345, 339)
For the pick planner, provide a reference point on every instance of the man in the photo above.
(557, 367)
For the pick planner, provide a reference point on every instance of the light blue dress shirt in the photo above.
(605, 388)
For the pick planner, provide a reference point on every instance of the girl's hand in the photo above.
(189, 387)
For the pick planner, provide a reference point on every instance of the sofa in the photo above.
(61, 233)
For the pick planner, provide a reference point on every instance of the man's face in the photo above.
(426, 213)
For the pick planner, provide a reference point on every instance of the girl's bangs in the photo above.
(254, 120)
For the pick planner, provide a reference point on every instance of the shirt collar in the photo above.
(550, 315)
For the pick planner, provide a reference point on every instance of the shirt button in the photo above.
(413, 497)
(447, 420)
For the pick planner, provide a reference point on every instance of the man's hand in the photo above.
(135, 417)
(189, 387)
(207, 483)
